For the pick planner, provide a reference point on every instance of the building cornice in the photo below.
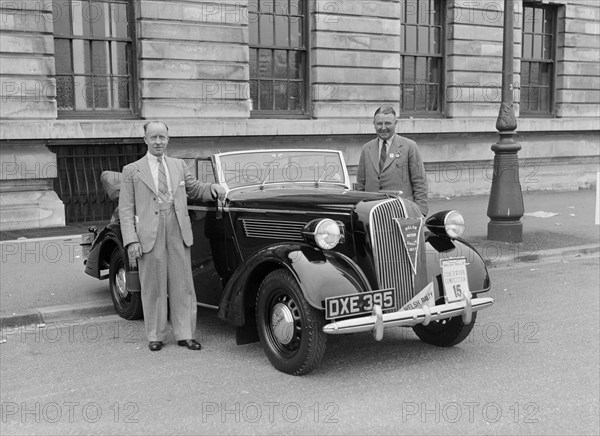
(90, 129)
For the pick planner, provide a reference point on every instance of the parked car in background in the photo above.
(294, 255)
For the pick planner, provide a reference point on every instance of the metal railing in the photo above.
(78, 183)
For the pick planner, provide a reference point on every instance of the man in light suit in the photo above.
(392, 162)
(157, 232)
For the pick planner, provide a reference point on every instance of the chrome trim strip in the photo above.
(392, 264)
(254, 210)
(409, 318)
(294, 212)
(289, 230)
(275, 150)
(341, 185)
(208, 306)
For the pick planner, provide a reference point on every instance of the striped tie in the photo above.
(163, 188)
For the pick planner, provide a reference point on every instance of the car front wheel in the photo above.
(128, 304)
(290, 329)
(446, 332)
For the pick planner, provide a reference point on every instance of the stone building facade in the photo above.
(79, 78)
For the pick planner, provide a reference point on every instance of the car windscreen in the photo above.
(265, 167)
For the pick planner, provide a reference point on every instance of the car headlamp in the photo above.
(454, 223)
(448, 223)
(324, 233)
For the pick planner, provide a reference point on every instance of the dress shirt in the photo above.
(153, 162)
(389, 144)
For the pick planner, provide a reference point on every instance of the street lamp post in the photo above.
(505, 206)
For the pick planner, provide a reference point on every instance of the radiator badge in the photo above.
(410, 229)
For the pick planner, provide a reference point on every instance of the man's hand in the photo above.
(217, 191)
(134, 252)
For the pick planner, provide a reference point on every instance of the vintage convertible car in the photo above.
(294, 254)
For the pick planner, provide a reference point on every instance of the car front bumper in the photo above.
(377, 321)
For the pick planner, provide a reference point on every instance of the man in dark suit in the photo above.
(391, 162)
(157, 232)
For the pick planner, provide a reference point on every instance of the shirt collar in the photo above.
(389, 141)
(153, 159)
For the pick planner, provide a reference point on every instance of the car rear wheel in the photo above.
(290, 329)
(128, 304)
(446, 332)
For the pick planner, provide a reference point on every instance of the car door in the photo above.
(206, 266)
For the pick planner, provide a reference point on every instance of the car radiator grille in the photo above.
(391, 260)
(288, 230)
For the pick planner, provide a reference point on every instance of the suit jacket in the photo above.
(139, 198)
(403, 171)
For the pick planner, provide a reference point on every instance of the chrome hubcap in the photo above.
(121, 283)
(282, 323)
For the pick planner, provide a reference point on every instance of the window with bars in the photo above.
(93, 51)
(278, 57)
(422, 56)
(537, 60)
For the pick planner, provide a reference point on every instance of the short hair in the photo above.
(155, 121)
(384, 110)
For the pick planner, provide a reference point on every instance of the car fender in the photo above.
(103, 246)
(438, 248)
(320, 274)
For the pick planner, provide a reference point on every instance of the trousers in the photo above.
(166, 275)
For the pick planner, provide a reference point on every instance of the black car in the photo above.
(294, 254)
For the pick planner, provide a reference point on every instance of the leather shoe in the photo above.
(190, 343)
(155, 345)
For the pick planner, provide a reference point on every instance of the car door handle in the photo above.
(220, 206)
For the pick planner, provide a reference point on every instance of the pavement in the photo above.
(557, 226)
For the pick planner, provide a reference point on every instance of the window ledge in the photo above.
(98, 128)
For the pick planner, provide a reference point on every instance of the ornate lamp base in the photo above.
(505, 207)
(505, 231)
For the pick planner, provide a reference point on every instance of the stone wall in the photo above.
(192, 70)
(578, 72)
(28, 168)
(27, 67)
(474, 58)
(193, 59)
(355, 60)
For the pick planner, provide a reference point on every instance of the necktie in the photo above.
(163, 188)
(382, 155)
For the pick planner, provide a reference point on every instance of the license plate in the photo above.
(454, 277)
(356, 304)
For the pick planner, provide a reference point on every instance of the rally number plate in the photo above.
(454, 275)
(356, 304)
